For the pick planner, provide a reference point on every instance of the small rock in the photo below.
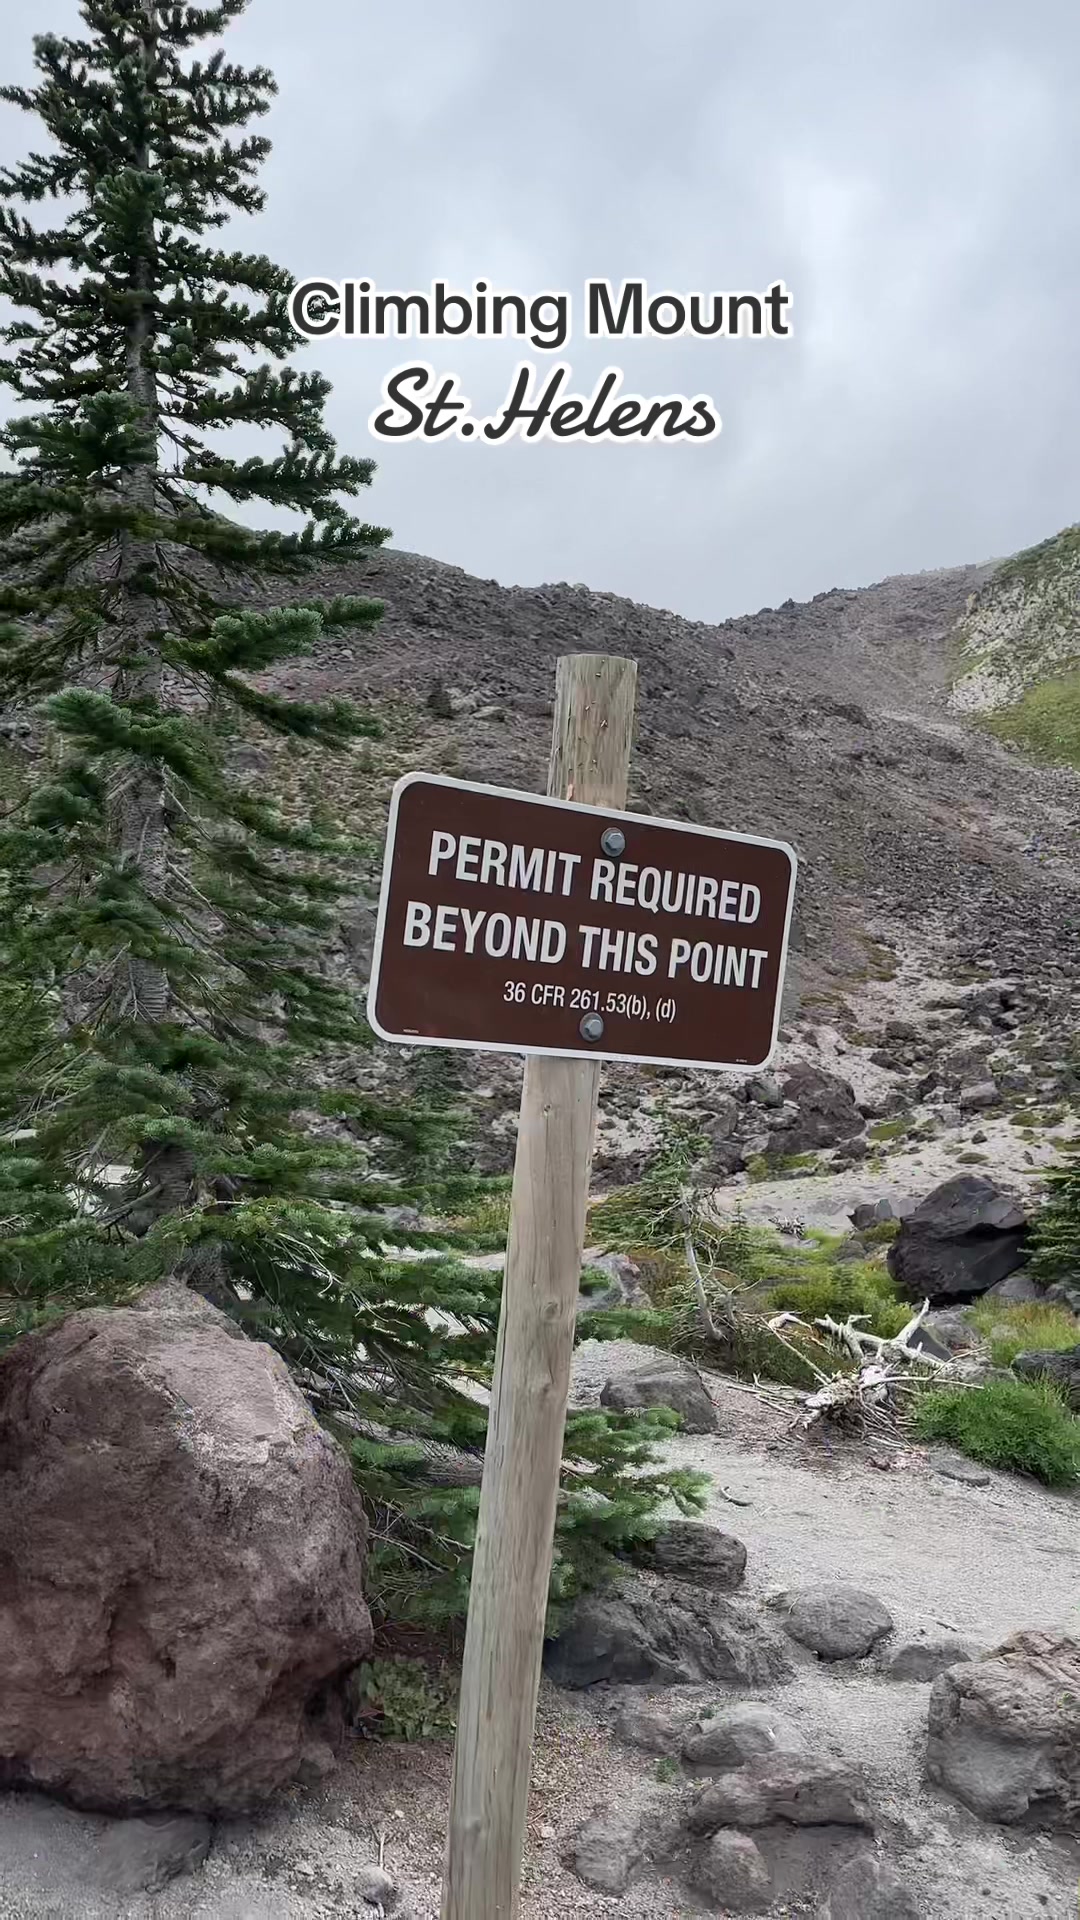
(663, 1383)
(869, 1888)
(1062, 1368)
(836, 1623)
(870, 1213)
(142, 1856)
(732, 1872)
(963, 1472)
(802, 1790)
(729, 1739)
(1017, 1287)
(925, 1659)
(605, 1851)
(656, 1726)
(951, 1328)
(827, 1110)
(690, 1550)
(377, 1889)
(927, 1341)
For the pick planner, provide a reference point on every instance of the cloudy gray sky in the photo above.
(910, 169)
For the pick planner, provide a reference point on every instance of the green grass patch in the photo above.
(594, 1280)
(837, 1291)
(1024, 1326)
(774, 1166)
(1019, 1426)
(890, 1129)
(488, 1216)
(881, 1234)
(1045, 723)
(883, 963)
(1060, 551)
(766, 1277)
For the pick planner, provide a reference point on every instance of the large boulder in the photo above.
(1062, 1368)
(1004, 1732)
(828, 1113)
(666, 1636)
(962, 1239)
(662, 1383)
(181, 1561)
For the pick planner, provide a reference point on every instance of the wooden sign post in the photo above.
(590, 758)
(571, 931)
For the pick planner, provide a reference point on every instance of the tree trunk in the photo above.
(141, 987)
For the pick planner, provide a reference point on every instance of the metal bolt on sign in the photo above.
(592, 1027)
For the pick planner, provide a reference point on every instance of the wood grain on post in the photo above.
(590, 758)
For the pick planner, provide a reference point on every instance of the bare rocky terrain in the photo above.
(825, 723)
(934, 861)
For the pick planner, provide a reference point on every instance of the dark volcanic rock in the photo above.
(1062, 1368)
(656, 1726)
(733, 1872)
(669, 1636)
(613, 1843)
(828, 1113)
(964, 1237)
(690, 1550)
(181, 1562)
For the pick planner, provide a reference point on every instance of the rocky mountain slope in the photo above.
(826, 723)
(935, 859)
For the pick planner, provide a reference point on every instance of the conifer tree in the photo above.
(164, 1007)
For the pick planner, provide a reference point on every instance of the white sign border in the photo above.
(606, 814)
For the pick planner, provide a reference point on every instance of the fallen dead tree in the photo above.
(875, 1395)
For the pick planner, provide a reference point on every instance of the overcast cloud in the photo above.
(910, 168)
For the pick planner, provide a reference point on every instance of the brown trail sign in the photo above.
(573, 932)
(515, 924)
